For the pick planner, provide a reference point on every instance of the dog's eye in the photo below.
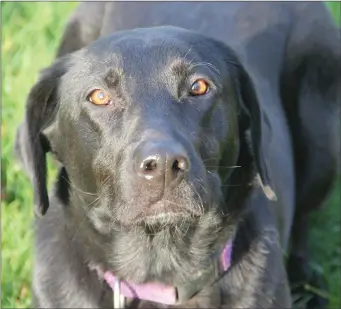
(99, 97)
(199, 87)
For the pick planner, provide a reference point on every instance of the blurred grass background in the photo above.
(30, 36)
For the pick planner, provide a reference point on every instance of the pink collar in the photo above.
(168, 295)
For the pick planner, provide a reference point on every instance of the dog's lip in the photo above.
(163, 207)
(165, 218)
(165, 211)
(167, 215)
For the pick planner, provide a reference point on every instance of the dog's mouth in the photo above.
(166, 213)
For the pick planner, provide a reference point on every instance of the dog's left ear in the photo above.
(251, 113)
(251, 107)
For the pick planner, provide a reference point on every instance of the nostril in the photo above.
(149, 165)
(180, 164)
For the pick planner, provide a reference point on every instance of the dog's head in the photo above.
(149, 126)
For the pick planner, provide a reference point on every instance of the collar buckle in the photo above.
(118, 298)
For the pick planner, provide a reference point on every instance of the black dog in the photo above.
(183, 131)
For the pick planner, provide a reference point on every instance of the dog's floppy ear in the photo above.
(251, 114)
(31, 145)
(251, 107)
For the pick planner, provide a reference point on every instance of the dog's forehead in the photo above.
(144, 39)
(148, 57)
(145, 48)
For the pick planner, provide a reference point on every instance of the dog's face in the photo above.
(149, 126)
(145, 126)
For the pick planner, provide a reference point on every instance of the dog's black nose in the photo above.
(163, 161)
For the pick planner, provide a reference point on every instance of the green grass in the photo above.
(30, 36)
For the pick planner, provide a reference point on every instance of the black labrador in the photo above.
(193, 139)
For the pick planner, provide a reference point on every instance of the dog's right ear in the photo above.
(31, 145)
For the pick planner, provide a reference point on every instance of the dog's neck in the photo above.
(173, 256)
(166, 294)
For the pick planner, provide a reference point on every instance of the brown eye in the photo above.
(199, 87)
(99, 97)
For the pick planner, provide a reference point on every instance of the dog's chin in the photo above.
(166, 221)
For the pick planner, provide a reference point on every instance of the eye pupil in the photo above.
(196, 87)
